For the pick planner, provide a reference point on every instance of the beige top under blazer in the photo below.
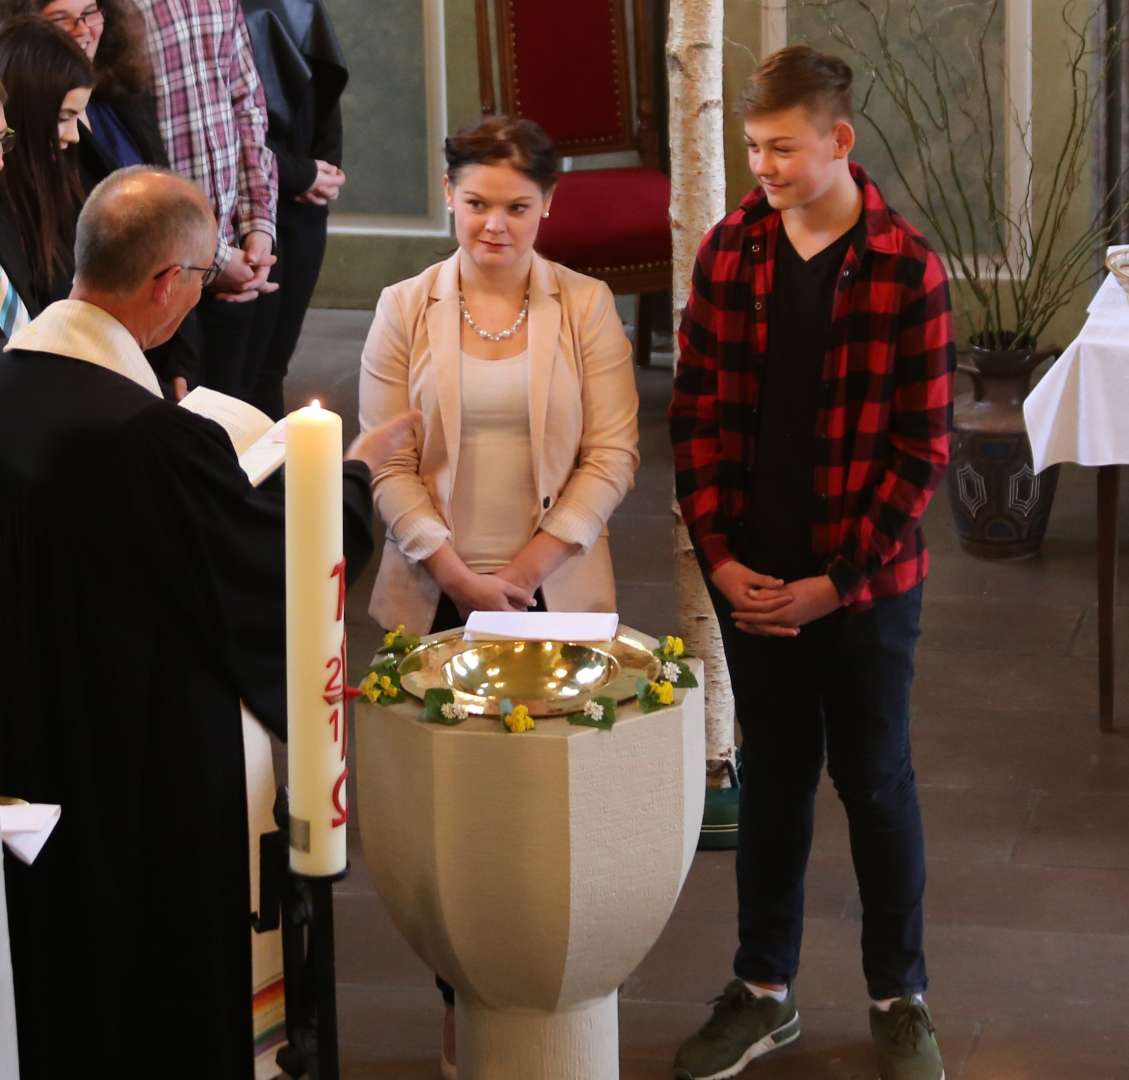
(583, 426)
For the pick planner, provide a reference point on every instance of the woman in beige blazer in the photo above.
(524, 377)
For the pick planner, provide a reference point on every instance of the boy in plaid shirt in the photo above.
(810, 423)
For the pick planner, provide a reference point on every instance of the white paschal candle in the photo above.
(315, 642)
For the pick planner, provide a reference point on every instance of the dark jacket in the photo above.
(303, 73)
(138, 115)
(143, 583)
(180, 355)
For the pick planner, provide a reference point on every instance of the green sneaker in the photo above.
(742, 1027)
(906, 1041)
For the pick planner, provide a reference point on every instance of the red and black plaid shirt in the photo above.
(885, 399)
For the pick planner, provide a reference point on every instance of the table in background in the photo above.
(1077, 413)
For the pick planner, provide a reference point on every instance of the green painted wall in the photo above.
(384, 107)
(357, 267)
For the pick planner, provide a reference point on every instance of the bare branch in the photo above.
(1023, 259)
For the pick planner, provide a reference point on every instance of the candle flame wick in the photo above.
(315, 404)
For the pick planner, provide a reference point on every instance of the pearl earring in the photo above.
(546, 214)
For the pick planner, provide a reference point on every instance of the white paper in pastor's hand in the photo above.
(260, 442)
(25, 828)
(542, 625)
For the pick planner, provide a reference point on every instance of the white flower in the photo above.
(594, 710)
(451, 711)
(671, 672)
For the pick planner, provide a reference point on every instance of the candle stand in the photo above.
(303, 906)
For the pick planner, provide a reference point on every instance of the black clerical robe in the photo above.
(142, 580)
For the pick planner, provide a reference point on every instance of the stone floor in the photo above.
(1026, 811)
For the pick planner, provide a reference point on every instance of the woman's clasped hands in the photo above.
(489, 592)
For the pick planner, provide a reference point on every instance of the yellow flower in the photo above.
(663, 692)
(392, 635)
(369, 687)
(519, 720)
(672, 646)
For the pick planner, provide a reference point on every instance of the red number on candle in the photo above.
(333, 683)
(334, 719)
(342, 812)
(339, 573)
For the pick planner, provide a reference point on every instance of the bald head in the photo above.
(136, 223)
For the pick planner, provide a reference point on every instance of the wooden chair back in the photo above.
(565, 64)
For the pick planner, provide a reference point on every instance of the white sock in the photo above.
(764, 992)
(885, 1003)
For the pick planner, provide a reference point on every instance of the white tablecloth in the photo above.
(1079, 411)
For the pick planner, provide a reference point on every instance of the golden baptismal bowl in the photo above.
(551, 678)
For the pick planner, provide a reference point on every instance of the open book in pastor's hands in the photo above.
(260, 442)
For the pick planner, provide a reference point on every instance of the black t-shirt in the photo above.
(779, 515)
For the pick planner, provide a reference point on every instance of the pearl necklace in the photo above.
(501, 335)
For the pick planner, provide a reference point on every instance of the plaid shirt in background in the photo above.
(885, 400)
(212, 112)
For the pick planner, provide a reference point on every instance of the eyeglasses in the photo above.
(210, 273)
(7, 139)
(91, 18)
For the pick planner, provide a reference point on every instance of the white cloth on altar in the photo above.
(1077, 411)
(24, 830)
(86, 332)
(542, 625)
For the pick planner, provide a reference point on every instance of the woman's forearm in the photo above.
(543, 554)
(447, 568)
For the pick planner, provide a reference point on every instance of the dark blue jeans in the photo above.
(842, 687)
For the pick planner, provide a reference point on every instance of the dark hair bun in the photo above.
(498, 140)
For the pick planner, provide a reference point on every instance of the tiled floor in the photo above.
(1026, 810)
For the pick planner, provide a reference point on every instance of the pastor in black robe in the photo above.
(142, 580)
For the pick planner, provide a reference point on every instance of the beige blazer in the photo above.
(583, 426)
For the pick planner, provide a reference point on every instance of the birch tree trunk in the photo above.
(697, 201)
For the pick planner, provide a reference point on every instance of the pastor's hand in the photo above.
(376, 446)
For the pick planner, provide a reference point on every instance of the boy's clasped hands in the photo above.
(770, 606)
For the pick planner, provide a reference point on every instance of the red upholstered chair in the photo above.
(565, 65)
